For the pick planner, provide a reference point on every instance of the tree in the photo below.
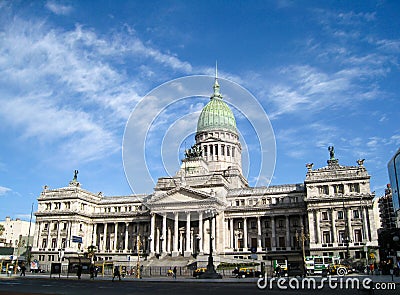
(1, 229)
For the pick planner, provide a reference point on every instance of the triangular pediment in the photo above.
(180, 195)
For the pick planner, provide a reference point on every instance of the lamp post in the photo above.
(139, 244)
(303, 237)
(210, 273)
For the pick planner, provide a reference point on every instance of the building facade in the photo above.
(208, 205)
(394, 176)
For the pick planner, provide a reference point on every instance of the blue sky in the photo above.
(325, 72)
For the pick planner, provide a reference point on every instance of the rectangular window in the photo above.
(338, 189)
(340, 215)
(216, 150)
(63, 243)
(266, 224)
(44, 243)
(211, 150)
(356, 214)
(326, 237)
(253, 224)
(237, 203)
(342, 236)
(222, 150)
(357, 236)
(228, 151)
(267, 242)
(324, 190)
(264, 201)
(233, 152)
(205, 151)
(354, 187)
(240, 225)
(324, 215)
(281, 241)
(242, 202)
(280, 223)
(54, 243)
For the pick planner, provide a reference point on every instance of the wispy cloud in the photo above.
(68, 87)
(58, 8)
(4, 190)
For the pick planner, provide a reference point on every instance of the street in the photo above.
(45, 285)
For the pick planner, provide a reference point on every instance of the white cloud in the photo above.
(4, 190)
(58, 8)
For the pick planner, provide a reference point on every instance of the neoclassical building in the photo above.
(332, 208)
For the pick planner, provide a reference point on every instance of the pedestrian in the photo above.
(116, 273)
(174, 272)
(91, 271)
(79, 271)
(23, 268)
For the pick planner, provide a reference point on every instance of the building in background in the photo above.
(208, 203)
(386, 210)
(17, 234)
(394, 176)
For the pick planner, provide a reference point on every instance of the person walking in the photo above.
(116, 273)
(174, 272)
(91, 271)
(79, 271)
(23, 269)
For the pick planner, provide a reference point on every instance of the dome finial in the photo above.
(216, 85)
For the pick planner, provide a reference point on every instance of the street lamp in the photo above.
(302, 237)
(210, 273)
(139, 244)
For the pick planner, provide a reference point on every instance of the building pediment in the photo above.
(183, 197)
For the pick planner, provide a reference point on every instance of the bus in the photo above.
(316, 264)
(283, 264)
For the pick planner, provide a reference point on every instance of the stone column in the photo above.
(49, 236)
(58, 235)
(152, 232)
(288, 246)
(311, 228)
(104, 238)
(318, 236)
(232, 232)
(188, 250)
(126, 236)
(245, 246)
(273, 234)
(333, 226)
(115, 236)
(164, 234)
(168, 240)
(175, 250)
(349, 224)
(365, 225)
(94, 239)
(259, 246)
(201, 236)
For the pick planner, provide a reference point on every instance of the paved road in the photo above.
(165, 286)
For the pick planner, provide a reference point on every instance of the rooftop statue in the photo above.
(194, 152)
(331, 150)
(75, 175)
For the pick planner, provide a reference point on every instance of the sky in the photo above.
(71, 73)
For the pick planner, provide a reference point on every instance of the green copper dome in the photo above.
(216, 115)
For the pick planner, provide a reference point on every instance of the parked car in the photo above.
(248, 272)
(199, 271)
